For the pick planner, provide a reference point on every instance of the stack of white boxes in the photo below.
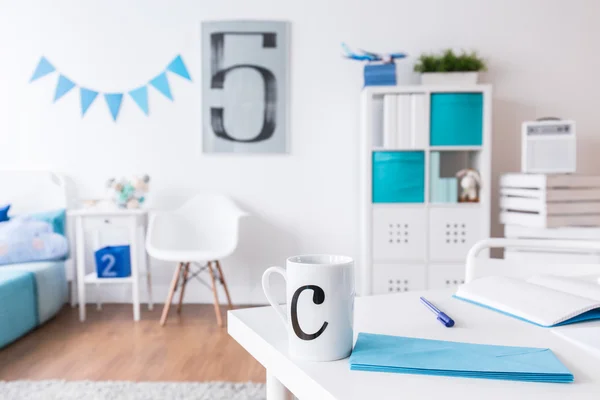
(559, 206)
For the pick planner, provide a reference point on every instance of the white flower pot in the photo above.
(449, 78)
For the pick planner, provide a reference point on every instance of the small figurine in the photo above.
(386, 58)
(470, 182)
(128, 193)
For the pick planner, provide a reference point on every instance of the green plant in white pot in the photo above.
(450, 68)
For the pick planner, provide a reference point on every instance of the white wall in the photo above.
(543, 57)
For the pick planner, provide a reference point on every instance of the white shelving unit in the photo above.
(416, 246)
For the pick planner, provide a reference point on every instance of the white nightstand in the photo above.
(135, 222)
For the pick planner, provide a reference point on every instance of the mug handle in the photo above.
(267, 289)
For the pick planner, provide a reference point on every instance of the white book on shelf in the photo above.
(569, 233)
(390, 121)
(548, 221)
(419, 132)
(543, 181)
(403, 114)
(542, 207)
(378, 122)
(551, 195)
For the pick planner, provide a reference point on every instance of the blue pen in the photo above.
(443, 318)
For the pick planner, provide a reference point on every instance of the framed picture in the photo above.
(245, 86)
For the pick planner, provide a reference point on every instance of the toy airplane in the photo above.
(371, 57)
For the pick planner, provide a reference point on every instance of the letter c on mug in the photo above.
(318, 298)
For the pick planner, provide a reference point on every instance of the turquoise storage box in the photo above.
(398, 177)
(456, 119)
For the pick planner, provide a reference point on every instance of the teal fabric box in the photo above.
(398, 177)
(456, 119)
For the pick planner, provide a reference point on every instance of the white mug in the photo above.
(320, 305)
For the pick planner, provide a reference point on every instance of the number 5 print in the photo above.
(219, 75)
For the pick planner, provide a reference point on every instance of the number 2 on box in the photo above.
(107, 271)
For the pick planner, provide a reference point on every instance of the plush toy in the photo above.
(128, 193)
(470, 182)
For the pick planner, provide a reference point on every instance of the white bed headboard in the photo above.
(33, 191)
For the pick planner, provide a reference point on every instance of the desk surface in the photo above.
(261, 333)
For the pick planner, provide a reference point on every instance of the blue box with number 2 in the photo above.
(113, 262)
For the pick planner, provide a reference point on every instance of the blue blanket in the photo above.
(18, 304)
(50, 284)
(26, 239)
(30, 294)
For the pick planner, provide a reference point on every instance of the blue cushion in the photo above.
(4, 213)
(56, 219)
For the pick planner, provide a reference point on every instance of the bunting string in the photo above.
(114, 99)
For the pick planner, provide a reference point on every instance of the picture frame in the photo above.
(245, 86)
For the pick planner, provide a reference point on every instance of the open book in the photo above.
(544, 300)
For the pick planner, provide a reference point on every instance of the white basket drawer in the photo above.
(399, 233)
(445, 276)
(396, 278)
(453, 231)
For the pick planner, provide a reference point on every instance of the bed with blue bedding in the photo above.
(33, 285)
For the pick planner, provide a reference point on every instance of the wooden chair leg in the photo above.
(215, 295)
(165, 312)
(186, 271)
(224, 283)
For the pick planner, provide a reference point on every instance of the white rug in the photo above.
(116, 390)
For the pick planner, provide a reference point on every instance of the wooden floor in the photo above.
(110, 346)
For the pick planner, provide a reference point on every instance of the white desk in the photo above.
(134, 221)
(261, 333)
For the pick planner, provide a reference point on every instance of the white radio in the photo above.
(548, 146)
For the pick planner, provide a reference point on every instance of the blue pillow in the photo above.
(4, 213)
(57, 219)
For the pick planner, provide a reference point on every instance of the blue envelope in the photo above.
(407, 355)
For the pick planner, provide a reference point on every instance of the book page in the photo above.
(534, 303)
(576, 286)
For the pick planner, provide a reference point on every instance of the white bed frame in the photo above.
(29, 191)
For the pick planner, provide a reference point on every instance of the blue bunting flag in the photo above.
(161, 83)
(44, 68)
(87, 98)
(63, 87)
(140, 96)
(177, 66)
(113, 99)
(114, 103)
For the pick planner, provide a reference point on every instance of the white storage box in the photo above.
(453, 231)
(445, 276)
(396, 278)
(399, 233)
